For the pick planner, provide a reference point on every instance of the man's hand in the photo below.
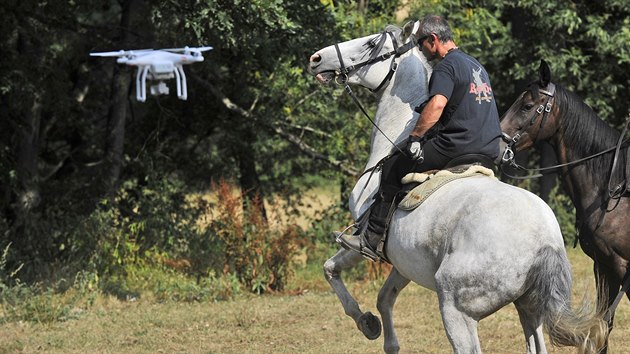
(414, 148)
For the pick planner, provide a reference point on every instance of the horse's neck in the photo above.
(585, 184)
(395, 117)
(395, 114)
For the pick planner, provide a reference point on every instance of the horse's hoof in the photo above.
(370, 325)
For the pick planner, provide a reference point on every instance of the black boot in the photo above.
(367, 243)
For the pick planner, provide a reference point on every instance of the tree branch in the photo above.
(342, 166)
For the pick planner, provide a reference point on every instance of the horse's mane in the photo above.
(584, 132)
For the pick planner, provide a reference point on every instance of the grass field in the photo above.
(312, 322)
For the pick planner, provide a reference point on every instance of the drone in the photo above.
(158, 65)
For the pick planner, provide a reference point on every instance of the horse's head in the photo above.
(532, 117)
(364, 61)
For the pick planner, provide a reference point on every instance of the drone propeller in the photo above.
(120, 53)
(188, 49)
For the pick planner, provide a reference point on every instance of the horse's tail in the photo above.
(550, 290)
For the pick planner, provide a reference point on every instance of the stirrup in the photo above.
(338, 234)
(360, 244)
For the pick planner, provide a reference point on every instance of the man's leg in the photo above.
(367, 242)
(391, 175)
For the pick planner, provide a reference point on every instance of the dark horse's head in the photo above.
(546, 111)
(532, 116)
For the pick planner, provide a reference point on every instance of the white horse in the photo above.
(479, 243)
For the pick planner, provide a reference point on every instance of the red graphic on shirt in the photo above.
(480, 88)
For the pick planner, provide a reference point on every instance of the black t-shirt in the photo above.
(470, 121)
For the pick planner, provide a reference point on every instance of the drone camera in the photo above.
(160, 89)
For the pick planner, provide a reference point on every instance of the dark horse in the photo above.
(596, 185)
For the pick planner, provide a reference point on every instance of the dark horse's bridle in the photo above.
(545, 109)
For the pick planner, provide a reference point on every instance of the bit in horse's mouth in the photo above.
(325, 77)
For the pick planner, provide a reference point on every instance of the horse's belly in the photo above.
(412, 253)
(460, 232)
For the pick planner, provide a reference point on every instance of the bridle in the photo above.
(342, 75)
(544, 109)
(344, 72)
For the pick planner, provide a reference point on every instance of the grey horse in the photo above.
(478, 243)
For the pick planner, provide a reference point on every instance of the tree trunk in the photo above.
(114, 149)
(116, 129)
(249, 180)
(28, 194)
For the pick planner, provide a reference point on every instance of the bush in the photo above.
(21, 302)
(256, 252)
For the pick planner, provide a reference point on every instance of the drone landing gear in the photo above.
(180, 77)
(160, 88)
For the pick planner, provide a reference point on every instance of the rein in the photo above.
(345, 72)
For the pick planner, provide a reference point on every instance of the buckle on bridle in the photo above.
(508, 155)
(341, 78)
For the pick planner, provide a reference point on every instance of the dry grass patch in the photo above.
(310, 323)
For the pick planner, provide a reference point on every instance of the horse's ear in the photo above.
(408, 30)
(544, 73)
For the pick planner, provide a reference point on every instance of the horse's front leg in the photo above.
(386, 298)
(345, 259)
(607, 284)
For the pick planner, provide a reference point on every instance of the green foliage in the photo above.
(143, 225)
(34, 303)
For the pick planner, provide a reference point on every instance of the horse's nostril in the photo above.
(315, 58)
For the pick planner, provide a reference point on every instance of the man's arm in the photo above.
(430, 115)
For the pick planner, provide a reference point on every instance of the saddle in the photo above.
(421, 185)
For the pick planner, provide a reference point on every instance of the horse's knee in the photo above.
(330, 270)
(382, 303)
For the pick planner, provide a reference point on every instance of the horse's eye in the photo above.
(527, 107)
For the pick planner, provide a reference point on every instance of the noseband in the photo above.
(344, 72)
(544, 109)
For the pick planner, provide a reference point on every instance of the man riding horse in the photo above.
(459, 118)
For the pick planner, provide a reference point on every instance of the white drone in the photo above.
(158, 65)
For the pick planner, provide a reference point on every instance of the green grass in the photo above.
(312, 322)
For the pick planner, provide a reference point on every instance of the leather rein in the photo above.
(342, 75)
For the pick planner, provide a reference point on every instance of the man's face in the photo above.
(427, 44)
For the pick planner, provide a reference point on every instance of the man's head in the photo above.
(433, 33)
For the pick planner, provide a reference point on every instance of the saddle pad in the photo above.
(429, 183)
